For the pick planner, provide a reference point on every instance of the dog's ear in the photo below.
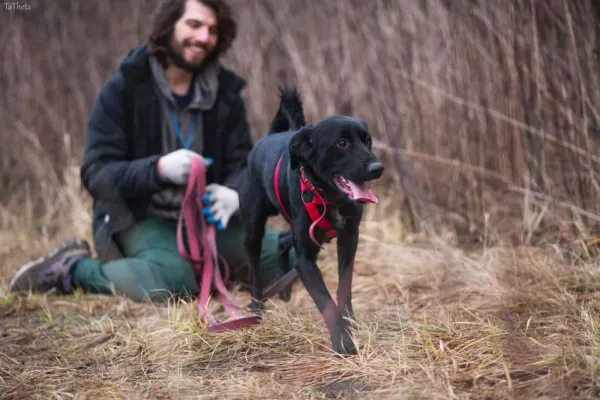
(300, 146)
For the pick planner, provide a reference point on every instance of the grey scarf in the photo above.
(167, 203)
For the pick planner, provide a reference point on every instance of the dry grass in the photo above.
(432, 322)
(486, 114)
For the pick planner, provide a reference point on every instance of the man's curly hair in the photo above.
(168, 12)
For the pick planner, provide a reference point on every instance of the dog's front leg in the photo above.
(255, 219)
(315, 285)
(312, 278)
(347, 243)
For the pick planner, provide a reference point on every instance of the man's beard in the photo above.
(177, 57)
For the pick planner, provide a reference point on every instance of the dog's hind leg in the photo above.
(283, 261)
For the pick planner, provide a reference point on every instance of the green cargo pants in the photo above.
(153, 268)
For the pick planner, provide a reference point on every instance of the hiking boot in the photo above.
(51, 271)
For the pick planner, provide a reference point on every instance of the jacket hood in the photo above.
(135, 67)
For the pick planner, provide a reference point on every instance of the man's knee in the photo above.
(170, 271)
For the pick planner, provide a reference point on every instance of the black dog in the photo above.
(328, 162)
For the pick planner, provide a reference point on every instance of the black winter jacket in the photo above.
(123, 145)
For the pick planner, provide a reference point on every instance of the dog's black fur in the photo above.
(337, 145)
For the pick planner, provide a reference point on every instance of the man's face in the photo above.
(194, 36)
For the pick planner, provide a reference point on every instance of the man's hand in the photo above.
(225, 202)
(176, 165)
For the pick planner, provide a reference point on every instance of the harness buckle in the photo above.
(303, 176)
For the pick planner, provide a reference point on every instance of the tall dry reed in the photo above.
(485, 111)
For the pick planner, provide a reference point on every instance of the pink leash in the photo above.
(204, 256)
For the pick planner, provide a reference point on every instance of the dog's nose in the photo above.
(375, 169)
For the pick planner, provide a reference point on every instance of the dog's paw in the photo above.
(345, 347)
(343, 344)
(257, 307)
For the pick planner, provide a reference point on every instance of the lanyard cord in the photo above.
(189, 135)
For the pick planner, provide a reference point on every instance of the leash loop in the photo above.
(203, 255)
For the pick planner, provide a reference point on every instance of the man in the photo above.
(169, 102)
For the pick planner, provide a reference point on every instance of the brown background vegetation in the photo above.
(486, 112)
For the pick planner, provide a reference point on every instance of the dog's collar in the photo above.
(305, 184)
(312, 199)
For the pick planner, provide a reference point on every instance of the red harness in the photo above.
(311, 207)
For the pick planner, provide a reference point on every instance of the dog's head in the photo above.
(337, 152)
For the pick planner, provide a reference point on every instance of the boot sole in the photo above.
(76, 244)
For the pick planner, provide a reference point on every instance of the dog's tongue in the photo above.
(361, 192)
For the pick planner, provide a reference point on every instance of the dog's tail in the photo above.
(290, 115)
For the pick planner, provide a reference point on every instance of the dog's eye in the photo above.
(368, 142)
(343, 143)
